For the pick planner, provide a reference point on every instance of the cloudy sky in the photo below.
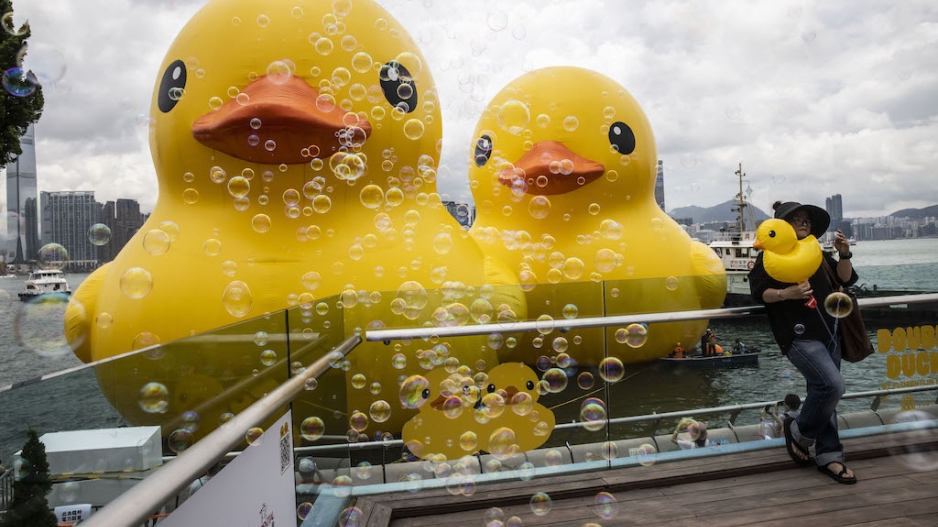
(813, 98)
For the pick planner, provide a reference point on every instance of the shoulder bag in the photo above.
(855, 341)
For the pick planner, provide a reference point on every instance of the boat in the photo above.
(43, 282)
(747, 357)
(735, 248)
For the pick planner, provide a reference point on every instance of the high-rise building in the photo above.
(659, 185)
(835, 207)
(22, 207)
(124, 219)
(67, 218)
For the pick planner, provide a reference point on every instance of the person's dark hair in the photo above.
(792, 401)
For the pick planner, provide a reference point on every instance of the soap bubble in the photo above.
(53, 256)
(156, 242)
(19, 83)
(312, 428)
(514, 116)
(541, 504)
(555, 379)
(414, 392)
(838, 305)
(606, 505)
(253, 437)
(635, 335)
(179, 440)
(237, 298)
(611, 369)
(593, 414)
(99, 234)
(136, 283)
(154, 398)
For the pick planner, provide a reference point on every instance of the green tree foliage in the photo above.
(29, 507)
(16, 113)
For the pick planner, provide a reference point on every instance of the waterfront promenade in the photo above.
(759, 488)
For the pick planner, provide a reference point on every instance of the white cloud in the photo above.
(813, 98)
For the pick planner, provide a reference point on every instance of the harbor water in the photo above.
(32, 343)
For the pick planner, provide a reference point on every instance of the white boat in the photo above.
(45, 281)
(735, 248)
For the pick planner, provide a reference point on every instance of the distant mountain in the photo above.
(916, 213)
(722, 212)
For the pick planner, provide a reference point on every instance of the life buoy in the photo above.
(750, 264)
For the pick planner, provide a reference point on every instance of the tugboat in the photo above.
(43, 282)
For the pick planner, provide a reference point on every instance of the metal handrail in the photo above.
(734, 410)
(389, 334)
(135, 506)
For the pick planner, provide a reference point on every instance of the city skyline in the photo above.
(814, 100)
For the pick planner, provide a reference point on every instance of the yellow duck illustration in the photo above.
(562, 170)
(495, 412)
(785, 257)
(525, 424)
(445, 424)
(296, 148)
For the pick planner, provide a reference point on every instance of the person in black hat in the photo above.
(810, 338)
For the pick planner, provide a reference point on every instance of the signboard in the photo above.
(72, 513)
(254, 490)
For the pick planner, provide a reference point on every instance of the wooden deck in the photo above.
(761, 488)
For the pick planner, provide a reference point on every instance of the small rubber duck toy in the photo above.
(785, 257)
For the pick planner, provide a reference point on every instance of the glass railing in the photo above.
(535, 387)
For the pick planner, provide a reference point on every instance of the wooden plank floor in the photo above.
(898, 486)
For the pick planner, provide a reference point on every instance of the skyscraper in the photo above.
(66, 219)
(835, 208)
(659, 185)
(22, 206)
(124, 219)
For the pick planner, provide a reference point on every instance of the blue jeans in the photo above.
(819, 363)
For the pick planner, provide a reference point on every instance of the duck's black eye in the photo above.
(171, 86)
(483, 150)
(621, 138)
(491, 388)
(530, 385)
(771, 234)
(426, 393)
(398, 86)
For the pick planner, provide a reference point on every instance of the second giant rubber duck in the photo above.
(296, 145)
(562, 168)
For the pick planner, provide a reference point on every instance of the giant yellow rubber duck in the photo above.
(785, 257)
(296, 148)
(563, 165)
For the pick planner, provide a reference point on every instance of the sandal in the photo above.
(839, 477)
(796, 451)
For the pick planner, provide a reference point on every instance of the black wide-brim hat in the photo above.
(820, 219)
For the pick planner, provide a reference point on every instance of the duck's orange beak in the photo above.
(551, 168)
(757, 245)
(278, 123)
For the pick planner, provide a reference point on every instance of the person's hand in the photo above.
(802, 290)
(841, 243)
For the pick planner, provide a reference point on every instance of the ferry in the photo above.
(735, 248)
(44, 281)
